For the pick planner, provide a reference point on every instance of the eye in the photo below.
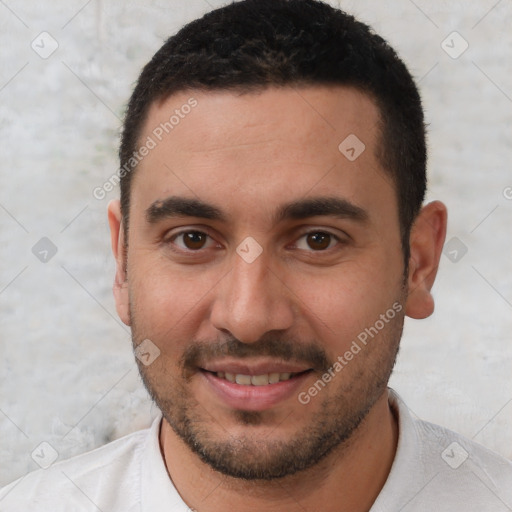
(192, 240)
(316, 241)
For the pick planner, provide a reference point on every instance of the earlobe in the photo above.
(426, 243)
(120, 287)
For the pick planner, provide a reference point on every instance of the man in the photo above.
(269, 240)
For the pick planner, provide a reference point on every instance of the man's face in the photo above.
(257, 249)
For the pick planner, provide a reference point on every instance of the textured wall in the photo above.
(67, 375)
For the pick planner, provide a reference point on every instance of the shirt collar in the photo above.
(157, 490)
(406, 457)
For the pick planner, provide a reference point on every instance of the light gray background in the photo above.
(67, 375)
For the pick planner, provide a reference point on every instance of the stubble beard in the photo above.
(249, 458)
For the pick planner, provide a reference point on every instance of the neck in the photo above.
(348, 479)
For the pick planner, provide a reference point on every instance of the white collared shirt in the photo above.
(434, 469)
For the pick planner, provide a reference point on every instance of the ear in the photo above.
(120, 287)
(426, 243)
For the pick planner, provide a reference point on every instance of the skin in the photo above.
(248, 155)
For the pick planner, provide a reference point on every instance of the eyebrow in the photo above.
(175, 206)
(321, 207)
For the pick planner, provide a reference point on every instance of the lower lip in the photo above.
(254, 398)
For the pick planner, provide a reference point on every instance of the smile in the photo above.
(256, 380)
(256, 392)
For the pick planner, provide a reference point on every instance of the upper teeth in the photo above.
(254, 380)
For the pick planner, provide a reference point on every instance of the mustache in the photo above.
(310, 354)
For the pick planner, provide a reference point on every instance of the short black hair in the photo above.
(251, 45)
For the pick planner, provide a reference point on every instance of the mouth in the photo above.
(263, 379)
(254, 388)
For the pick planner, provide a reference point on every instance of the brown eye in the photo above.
(318, 241)
(192, 240)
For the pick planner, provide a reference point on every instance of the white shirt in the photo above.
(434, 469)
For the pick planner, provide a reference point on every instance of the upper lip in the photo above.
(254, 367)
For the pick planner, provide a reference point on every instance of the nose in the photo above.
(252, 300)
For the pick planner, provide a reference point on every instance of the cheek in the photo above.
(343, 302)
(165, 303)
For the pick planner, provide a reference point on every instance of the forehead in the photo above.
(220, 118)
(262, 147)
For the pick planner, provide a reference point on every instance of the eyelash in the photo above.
(170, 240)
